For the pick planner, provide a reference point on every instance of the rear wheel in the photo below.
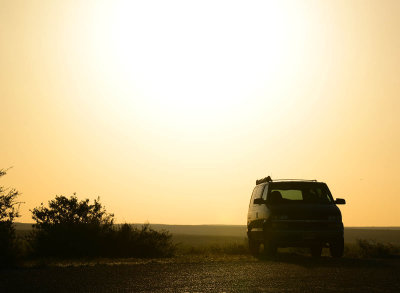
(336, 247)
(316, 250)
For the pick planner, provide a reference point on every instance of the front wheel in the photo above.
(336, 247)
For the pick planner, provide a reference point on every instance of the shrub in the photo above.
(70, 228)
(130, 241)
(377, 249)
(8, 212)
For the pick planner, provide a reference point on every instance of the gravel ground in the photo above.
(209, 274)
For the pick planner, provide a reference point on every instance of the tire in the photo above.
(316, 250)
(254, 247)
(336, 247)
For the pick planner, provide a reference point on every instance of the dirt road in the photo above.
(224, 274)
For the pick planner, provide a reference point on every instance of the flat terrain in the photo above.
(238, 232)
(210, 274)
(215, 259)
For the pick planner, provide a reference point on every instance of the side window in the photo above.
(264, 196)
(259, 191)
(253, 194)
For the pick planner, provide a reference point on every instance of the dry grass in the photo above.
(371, 249)
(224, 245)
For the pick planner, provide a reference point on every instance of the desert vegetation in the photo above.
(72, 228)
(372, 249)
(8, 212)
(211, 245)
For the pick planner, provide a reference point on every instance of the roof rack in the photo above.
(307, 180)
(266, 179)
(269, 179)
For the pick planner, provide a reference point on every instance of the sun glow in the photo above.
(171, 106)
(187, 65)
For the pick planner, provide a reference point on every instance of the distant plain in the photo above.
(220, 234)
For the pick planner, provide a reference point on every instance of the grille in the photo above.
(305, 226)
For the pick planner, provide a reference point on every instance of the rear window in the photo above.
(299, 192)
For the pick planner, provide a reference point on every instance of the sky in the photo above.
(170, 110)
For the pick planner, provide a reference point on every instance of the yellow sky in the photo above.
(170, 110)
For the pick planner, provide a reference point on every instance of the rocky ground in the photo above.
(208, 274)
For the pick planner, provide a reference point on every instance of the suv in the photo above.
(294, 213)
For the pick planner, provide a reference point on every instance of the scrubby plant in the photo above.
(72, 228)
(377, 249)
(8, 212)
(364, 248)
(130, 241)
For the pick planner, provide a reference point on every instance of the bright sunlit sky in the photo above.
(170, 110)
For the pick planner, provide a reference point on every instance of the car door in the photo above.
(251, 211)
(256, 212)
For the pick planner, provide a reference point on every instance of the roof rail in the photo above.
(308, 180)
(269, 179)
(266, 179)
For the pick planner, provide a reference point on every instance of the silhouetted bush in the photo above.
(8, 212)
(363, 248)
(130, 241)
(377, 249)
(71, 228)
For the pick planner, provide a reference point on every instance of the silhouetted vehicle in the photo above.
(294, 213)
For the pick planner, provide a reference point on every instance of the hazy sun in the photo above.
(189, 63)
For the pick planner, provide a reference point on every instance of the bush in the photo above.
(71, 228)
(363, 248)
(130, 241)
(377, 249)
(8, 212)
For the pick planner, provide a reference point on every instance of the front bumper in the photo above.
(302, 233)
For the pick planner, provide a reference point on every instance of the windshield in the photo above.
(298, 192)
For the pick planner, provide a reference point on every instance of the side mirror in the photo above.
(340, 201)
(259, 201)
